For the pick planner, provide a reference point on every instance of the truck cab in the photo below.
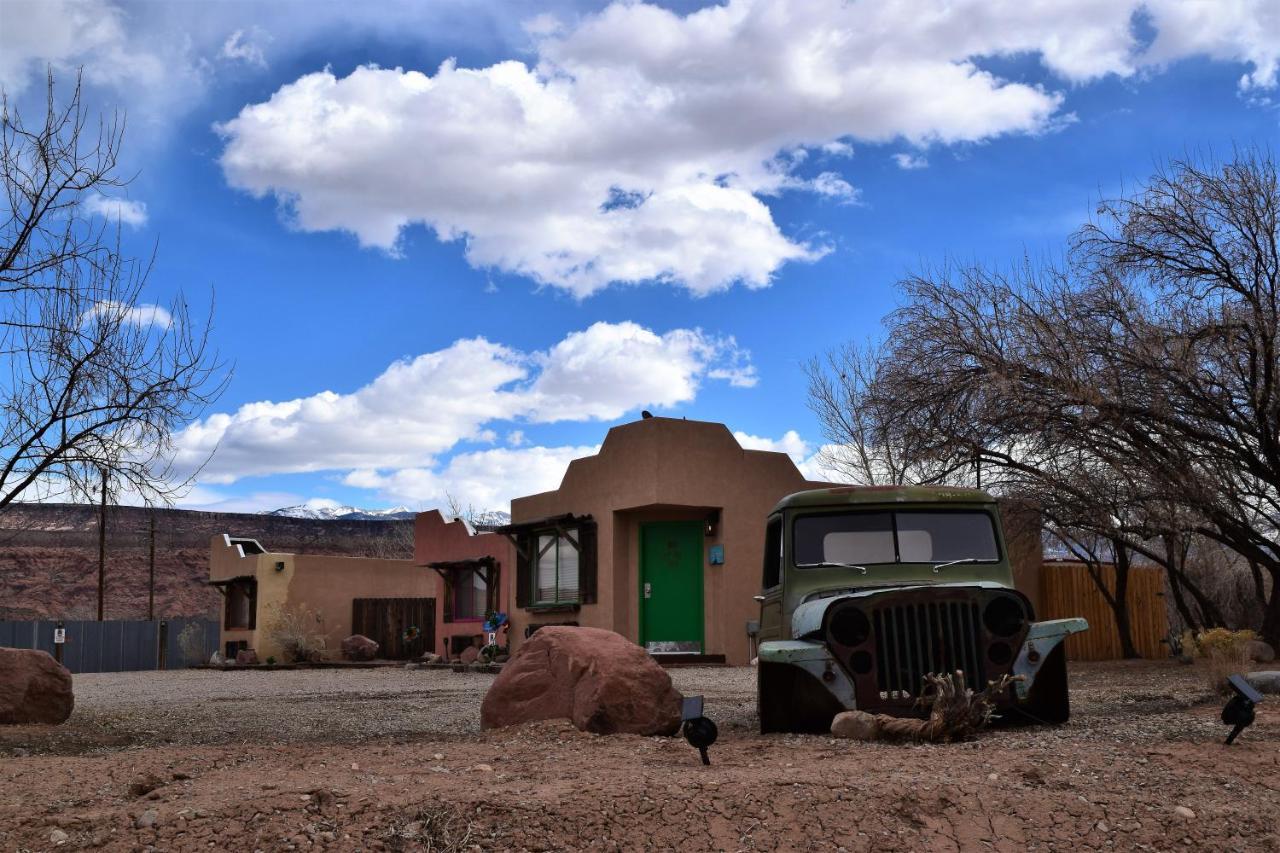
(866, 590)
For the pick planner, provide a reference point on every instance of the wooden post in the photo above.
(151, 574)
(102, 545)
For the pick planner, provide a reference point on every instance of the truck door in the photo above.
(770, 596)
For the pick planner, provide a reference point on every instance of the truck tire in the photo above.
(789, 699)
(1049, 702)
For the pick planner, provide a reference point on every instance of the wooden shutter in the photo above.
(587, 563)
(524, 571)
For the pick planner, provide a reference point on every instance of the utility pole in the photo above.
(102, 545)
(151, 573)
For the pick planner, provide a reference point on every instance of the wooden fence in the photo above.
(1066, 589)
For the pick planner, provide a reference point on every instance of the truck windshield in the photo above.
(863, 538)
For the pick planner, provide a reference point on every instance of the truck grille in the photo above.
(915, 639)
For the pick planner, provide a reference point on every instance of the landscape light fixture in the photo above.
(698, 730)
(1238, 711)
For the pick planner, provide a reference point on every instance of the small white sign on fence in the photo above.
(59, 636)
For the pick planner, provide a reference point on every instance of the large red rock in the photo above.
(359, 647)
(34, 688)
(595, 678)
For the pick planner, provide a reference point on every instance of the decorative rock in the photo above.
(315, 656)
(34, 688)
(855, 725)
(469, 655)
(1184, 812)
(247, 657)
(58, 838)
(359, 647)
(1267, 681)
(597, 679)
(1259, 651)
(430, 657)
(147, 819)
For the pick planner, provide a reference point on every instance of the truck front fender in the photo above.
(1042, 638)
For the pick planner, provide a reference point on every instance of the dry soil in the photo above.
(394, 760)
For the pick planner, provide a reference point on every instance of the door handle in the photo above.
(759, 598)
(648, 589)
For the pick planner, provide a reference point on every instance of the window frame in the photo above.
(567, 535)
(454, 587)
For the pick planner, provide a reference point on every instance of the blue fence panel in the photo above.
(117, 645)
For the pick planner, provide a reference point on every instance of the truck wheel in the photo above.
(1049, 702)
(789, 699)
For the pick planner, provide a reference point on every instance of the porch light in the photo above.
(712, 521)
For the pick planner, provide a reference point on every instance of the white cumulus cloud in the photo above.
(485, 479)
(911, 161)
(143, 314)
(790, 443)
(641, 144)
(424, 406)
(121, 210)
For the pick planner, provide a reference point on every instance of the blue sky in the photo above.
(627, 207)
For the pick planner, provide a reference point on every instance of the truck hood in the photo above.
(807, 618)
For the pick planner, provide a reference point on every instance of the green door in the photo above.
(671, 586)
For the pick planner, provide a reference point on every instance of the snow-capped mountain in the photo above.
(344, 513)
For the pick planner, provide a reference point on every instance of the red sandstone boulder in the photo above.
(247, 657)
(595, 678)
(359, 647)
(34, 688)
(469, 655)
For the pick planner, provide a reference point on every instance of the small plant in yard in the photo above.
(191, 641)
(1224, 653)
(271, 660)
(298, 631)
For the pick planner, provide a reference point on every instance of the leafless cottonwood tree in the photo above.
(1137, 385)
(93, 382)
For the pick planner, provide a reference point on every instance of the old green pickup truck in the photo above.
(868, 589)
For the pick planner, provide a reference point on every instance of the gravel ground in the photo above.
(392, 759)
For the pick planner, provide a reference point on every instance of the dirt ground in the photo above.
(393, 760)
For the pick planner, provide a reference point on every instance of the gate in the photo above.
(386, 621)
(1067, 589)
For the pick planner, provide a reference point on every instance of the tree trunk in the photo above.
(1120, 601)
(1271, 619)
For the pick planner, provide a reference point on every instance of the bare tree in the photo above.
(93, 381)
(1137, 386)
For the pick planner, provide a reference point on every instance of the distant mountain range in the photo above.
(344, 513)
(481, 521)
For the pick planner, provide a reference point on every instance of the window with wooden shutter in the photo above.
(587, 562)
(524, 573)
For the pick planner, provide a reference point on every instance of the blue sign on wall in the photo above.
(717, 555)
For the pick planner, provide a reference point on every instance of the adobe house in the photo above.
(337, 596)
(473, 571)
(659, 536)
(457, 577)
